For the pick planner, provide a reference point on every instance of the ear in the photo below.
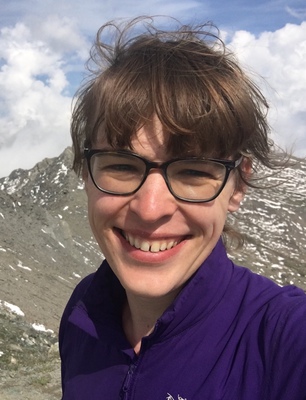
(235, 200)
(241, 187)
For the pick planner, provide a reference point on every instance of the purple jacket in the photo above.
(229, 335)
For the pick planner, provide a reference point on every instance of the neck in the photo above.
(140, 316)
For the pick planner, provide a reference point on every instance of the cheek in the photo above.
(103, 209)
(99, 209)
(100, 217)
(97, 206)
(209, 218)
(218, 214)
(217, 218)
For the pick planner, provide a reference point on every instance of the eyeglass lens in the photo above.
(189, 179)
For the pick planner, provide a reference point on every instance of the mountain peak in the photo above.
(46, 244)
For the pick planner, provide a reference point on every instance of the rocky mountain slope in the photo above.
(46, 247)
(45, 242)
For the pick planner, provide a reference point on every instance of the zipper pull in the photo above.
(127, 381)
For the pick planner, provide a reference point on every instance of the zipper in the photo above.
(127, 381)
(129, 376)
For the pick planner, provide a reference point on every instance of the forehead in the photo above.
(150, 141)
(150, 137)
(154, 137)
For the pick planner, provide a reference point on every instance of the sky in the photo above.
(45, 44)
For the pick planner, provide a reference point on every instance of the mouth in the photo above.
(153, 246)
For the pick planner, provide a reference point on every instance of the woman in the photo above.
(165, 134)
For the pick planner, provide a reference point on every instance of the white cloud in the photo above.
(280, 58)
(34, 99)
(62, 35)
(38, 56)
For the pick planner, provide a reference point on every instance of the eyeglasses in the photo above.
(122, 173)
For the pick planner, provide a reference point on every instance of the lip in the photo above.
(153, 245)
(173, 245)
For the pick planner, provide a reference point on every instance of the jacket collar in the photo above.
(200, 296)
(105, 296)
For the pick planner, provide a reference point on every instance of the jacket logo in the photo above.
(169, 397)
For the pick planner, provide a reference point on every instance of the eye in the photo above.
(120, 168)
(196, 173)
(113, 164)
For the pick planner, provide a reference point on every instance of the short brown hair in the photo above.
(187, 77)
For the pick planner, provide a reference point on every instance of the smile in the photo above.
(154, 246)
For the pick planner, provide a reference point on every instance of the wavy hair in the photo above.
(185, 76)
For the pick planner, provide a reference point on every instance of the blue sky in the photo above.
(44, 45)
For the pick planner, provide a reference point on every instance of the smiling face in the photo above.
(153, 242)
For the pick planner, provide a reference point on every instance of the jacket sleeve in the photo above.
(77, 295)
(286, 377)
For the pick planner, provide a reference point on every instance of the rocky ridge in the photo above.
(46, 247)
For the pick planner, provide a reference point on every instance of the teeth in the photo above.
(170, 245)
(153, 247)
(163, 246)
(145, 246)
(136, 243)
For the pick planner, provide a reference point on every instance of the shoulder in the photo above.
(281, 310)
(80, 290)
(277, 318)
(96, 292)
(78, 293)
(287, 313)
(258, 288)
(285, 324)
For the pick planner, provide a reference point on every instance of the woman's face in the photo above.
(155, 220)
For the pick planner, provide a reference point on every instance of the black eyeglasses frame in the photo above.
(229, 165)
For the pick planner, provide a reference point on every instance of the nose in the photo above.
(153, 201)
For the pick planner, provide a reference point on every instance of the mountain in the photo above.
(45, 242)
(46, 247)
(273, 221)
